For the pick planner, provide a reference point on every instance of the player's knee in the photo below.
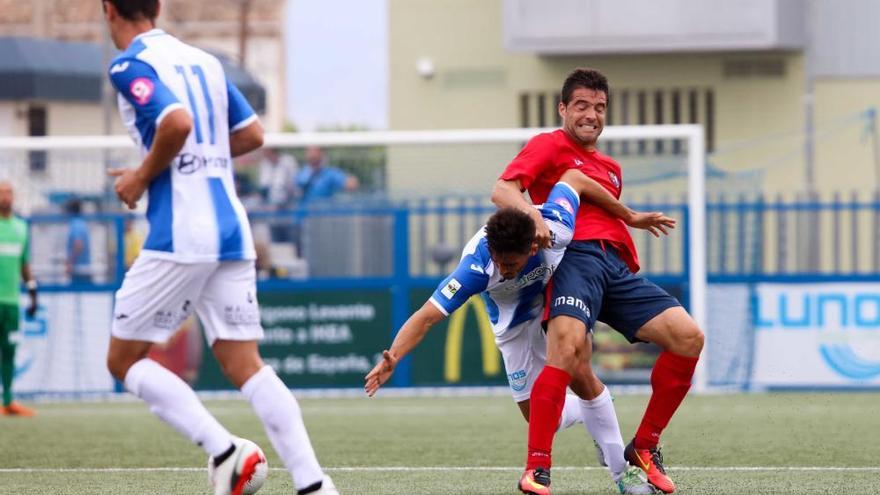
(563, 355)
(239, 360)
(689, 341)
(117, 367)
(240, 371)
(119, 363)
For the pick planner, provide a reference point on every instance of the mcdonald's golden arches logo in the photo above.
(455, 337)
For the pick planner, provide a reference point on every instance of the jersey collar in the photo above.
(151, 32)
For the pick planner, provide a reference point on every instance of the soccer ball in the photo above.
(261, 471)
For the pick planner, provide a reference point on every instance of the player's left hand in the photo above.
(31, 310)
(652, 221)
(380, 373)
(129, 185)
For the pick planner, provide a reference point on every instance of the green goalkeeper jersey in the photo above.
(13, 253)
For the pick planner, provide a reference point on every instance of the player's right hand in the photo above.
(652, 221)
(542, 232)
(380, 373)
(129, 185)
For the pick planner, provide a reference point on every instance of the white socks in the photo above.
(601, 423)
(571, 412)
(282, 419)
(175, 403)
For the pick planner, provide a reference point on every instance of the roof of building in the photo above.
(53, 70)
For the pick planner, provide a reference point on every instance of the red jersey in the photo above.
(541, 163)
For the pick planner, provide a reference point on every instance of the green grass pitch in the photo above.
(723, 444)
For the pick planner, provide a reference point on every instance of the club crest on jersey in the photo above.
(451, 288)
(141, 90)
(614, 179)
(565, 204)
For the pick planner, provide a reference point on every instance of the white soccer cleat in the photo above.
(327, 487)
(633, 482)
(242, 473)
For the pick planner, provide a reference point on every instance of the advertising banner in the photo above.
(316, 339)
(809, 335)
(459, 350)
(64, 348)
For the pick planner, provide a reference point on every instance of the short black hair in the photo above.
(584, 78)
(135, 10)
(510, 231)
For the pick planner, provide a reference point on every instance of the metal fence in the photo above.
(369, 238)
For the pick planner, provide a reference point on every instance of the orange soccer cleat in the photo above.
(651, 462)
(535, 481)
(16, 409)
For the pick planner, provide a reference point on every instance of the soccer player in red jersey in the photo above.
(595, 281)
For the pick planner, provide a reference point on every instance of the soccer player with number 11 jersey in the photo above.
(189, 121)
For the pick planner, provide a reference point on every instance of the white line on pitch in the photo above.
(444, 468)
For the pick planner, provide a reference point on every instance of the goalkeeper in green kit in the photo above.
(13, 268)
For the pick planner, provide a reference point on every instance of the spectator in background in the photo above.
(321, 181)
(79, 256)
(276, 178)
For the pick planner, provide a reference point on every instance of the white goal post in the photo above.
(14, 148)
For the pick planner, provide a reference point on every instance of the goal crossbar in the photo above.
(692, 134)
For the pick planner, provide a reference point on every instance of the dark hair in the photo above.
(135, 10)
(584, 78)
(510, 231)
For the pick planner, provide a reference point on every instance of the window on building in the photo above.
(37, 126)
(642, 106)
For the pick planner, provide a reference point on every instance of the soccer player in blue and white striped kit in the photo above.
(189, 122)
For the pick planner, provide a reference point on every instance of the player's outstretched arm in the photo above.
(508, 194)
(411, 333)
(654, 222)
(246, 139)
(170, 137)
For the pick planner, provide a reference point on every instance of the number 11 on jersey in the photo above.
(197, 72)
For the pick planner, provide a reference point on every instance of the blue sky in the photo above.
(337, 61)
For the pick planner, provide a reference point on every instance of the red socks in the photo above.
(545, 409)
(670, 382)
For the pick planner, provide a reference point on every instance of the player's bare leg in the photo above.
(682, 341)
(277, 409)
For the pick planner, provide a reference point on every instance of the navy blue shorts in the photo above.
(592, 282)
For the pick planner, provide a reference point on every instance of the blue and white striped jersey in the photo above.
(511, 302)
(193, 210)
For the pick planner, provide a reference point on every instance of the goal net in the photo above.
(392, 208)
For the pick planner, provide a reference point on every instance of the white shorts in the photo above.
(524, 351)
(158, 295)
